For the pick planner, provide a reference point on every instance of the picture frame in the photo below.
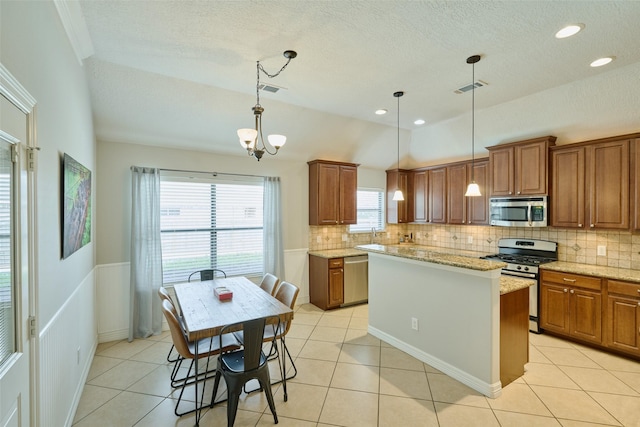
(76, 206)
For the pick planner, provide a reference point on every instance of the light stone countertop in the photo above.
(625, 274)
(337, 253)
(436, 256)
(511, 284)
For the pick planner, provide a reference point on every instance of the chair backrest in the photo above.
(164, 294)
(287, 294)
(208, 274)
(252, 336)
(269, 283)
(177, 336)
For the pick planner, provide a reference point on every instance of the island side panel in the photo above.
(458, 312)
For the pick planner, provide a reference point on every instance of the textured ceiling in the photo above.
(182, 73)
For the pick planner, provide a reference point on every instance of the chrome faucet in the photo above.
(373, 234)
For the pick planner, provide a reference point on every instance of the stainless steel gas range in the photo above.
(523, 256)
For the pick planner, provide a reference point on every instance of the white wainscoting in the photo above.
(112, 292)
(67, 345)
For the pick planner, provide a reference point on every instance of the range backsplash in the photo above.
(622, 247)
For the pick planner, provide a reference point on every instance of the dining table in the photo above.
(204, 314)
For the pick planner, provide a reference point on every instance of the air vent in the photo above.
(467, 88)
(270, 88)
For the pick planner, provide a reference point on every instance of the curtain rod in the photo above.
(216, 173)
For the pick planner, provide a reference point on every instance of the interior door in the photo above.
(15, 269)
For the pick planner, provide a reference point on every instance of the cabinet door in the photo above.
(609, 185)
(567, 187)
(324, 194)
(531, 169)
(348, 195)
(336, 287)
(586, 315)
(478, 207)
(502, 171)
(636, 183)
(420, 196)
(554, 309)
(398, 211)
(623, 324)
(438, 196)
(456, 200)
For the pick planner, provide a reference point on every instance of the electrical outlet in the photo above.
(414, 323)
(469, 239)
(602, 250)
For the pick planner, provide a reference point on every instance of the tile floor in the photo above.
(349, 378)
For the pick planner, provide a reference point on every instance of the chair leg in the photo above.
(265, 383)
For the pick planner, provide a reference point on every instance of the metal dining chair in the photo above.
(239, 366)
(207, 274)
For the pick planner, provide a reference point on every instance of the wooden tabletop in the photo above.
(204, 315)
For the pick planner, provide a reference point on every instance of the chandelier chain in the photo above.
(259, 68)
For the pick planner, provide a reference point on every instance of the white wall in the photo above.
(35, 50)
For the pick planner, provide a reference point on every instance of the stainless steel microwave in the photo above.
(518, 211)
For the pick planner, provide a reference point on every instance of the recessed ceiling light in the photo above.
(569, 31)
(419, 122)
(602, 61)
(381, 112)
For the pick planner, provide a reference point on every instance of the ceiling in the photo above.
(183, 73)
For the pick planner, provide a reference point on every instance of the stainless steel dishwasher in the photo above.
(356, 279)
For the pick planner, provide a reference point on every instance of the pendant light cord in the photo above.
(398, 139)
(473, 121)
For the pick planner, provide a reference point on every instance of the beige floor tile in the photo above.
(612, 362)
(359, 323)
(573, 423)
(515, 419)
(536, 356)
(304, 403)
(294, 345)
(361, 337)
(547, 375)
(350, 408)
(573, 404)
(446, 389)
(157, 382)
(105, 345)
(519, 398)
(356, 377)
(548, 341)
(598, 380)
(123, 375)
(360, 354)
(325, 333)
(314, 372)
(341, 312)
(125, 350)
(125, 409)
(567, 357)
(450, 415)
(267, 421)
(626, 409)
(401, 411)
(321, 350)
(101, 364)
(307, 318)
(334, 321)
(361, 310)
(307, 308)
(300, 331)
(403, 383)
(92, 398)
(163, 416)
(631, 379)
(217, 417)
(391, 357)
(156, 353)
(431, 369)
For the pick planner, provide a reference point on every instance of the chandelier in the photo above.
(252, 139)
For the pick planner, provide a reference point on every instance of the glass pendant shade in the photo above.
(277, 140)
(398, 196)
(473, 190)
(247, 137)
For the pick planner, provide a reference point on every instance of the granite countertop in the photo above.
(338, 253)
(436, 255)
(512, 284)
(615, 273)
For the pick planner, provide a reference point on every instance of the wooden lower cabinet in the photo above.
(326, 282)
(623, 316)
(571, 305)
(514, 335)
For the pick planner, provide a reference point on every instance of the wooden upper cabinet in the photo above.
(520, 168)
(460, 208)
(635, 149)
(333, 190)
(478, 207)
(420, 195)
(399, 212)
(608, 172)
(437, 196)
(457, 182)
(567, 187)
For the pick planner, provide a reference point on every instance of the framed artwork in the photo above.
(76, 215)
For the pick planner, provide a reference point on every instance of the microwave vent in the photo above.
(467, 88)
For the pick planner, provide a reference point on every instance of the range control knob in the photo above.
(526, 269)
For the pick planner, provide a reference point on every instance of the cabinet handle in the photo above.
(469, 222)
(569, 280)
(565, 290)
(592, 226)
(571, 291)
(510, 192)
(579, 225)
(518, 192)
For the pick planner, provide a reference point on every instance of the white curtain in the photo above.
(273, 245)
(145, 318)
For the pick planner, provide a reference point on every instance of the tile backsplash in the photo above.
(621, 248)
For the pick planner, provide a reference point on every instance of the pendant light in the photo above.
(398, 196)
(473, 190)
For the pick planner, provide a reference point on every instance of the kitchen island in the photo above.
(445, 310)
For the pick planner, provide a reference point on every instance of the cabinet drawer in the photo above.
(568, 279)
(336, 262)
(624, 288)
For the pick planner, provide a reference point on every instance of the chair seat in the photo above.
(208, 345)
(234, 361)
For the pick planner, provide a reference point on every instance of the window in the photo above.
(7, 297)
(370, 210)
(210, 222)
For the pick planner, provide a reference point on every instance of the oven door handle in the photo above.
(529, 219)
(519, 274)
